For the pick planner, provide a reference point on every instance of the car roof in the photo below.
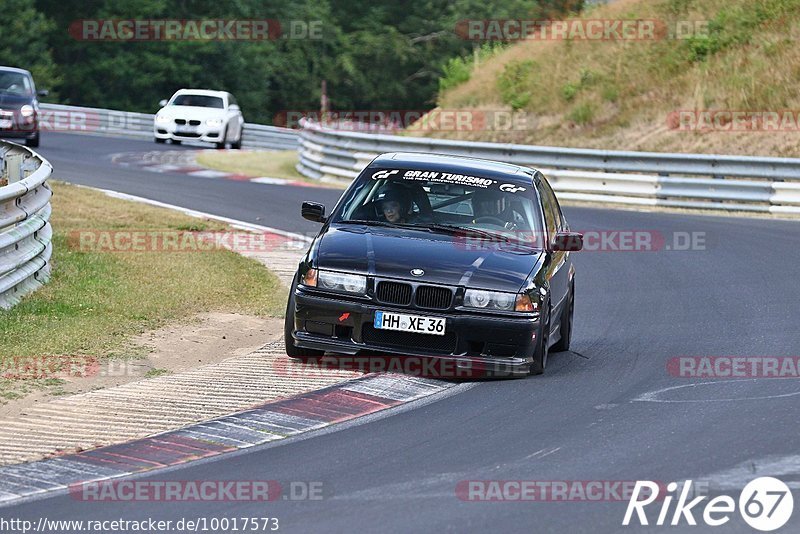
(456, 165)
(205, 92)
(14, 69)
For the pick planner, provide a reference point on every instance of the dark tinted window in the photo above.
(200, 101)
(560, 221)
(15, 83)
(551, 215)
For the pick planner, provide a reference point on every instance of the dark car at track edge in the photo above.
(461, 260)
(19, 106)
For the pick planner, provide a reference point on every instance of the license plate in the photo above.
(185, 129)
(6, 123)
(409, 323)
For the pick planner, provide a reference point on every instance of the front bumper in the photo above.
(17, 130)
(481, 343)
(17, 134)
(207, 134)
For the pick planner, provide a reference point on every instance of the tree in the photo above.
(23, 43)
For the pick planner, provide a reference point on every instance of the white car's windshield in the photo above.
(200, 101)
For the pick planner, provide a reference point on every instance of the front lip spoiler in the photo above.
(493, 367)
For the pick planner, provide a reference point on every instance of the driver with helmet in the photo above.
(494, 207)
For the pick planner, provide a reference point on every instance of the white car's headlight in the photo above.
(26, 111)
(214, 122)
(161, 119)
(349, 283)
(495, 300)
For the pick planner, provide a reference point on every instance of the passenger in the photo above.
(394, 204)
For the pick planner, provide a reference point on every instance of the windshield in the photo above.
(200, 101)
(434, 200)
(15, 83)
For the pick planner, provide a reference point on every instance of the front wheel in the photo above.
(292, 350)
(566, 322)
(238, 144)
(221, 144)
(33, 142)
(160, 141)
(542, 347)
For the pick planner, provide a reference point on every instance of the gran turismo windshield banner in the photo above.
(412, 175)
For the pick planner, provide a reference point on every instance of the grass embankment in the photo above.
(620, 94)
(97, 301)
(257, 163)
(261, 163)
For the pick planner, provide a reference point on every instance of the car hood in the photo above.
(446, 259)
(14, 102)
(191, 112)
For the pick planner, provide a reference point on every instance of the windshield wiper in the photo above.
(469, 232)
(366, 222)
(449, 229)
(385, 223)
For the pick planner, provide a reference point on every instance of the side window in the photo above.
(231, 100)
(551, 216)
(561, 221)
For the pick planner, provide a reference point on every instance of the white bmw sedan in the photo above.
(200, 115)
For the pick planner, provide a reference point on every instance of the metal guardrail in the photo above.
(77, 119)
(728, 183)
(25, 231)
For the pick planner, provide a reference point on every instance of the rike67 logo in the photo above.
(765, 504)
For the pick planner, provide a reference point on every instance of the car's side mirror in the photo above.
(162, 103)
(568, 241)
(313, 211)
(42, 92)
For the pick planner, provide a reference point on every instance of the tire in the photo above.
(221, 144)
(540, 356)
(34, 142)
(567, 315)
(176, 142)
(160, 141)
(238, 144)
(292, 350)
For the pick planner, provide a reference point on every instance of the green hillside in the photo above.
(744, 56)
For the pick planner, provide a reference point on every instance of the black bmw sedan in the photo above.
(460, 260)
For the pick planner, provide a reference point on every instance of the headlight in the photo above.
(214, 122)
(26, 111)
(495, 300)
(349, 283)
(161, 119)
